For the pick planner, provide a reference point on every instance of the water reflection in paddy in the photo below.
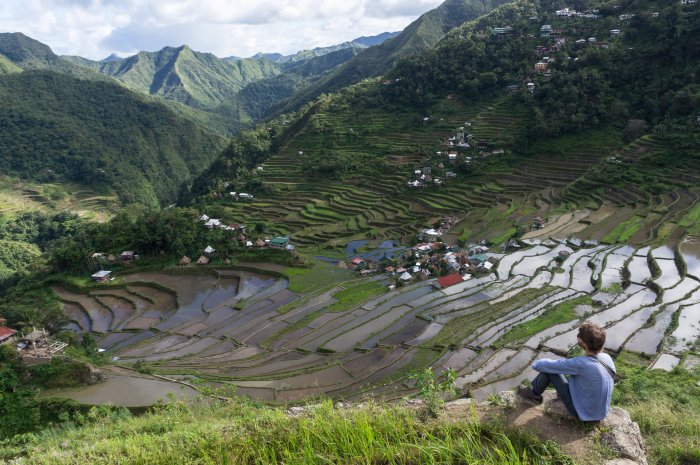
(125, 391)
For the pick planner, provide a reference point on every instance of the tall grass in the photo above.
(244, 434)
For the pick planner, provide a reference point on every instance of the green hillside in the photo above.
(7, 67)
(27, 53)
(420, 35)
(100, 135)
(341, 168)
(255, 100)
(200, 80)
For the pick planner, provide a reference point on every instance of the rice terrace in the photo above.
(234, 328)
(615, 254)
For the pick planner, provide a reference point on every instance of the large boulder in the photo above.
(623, 436)
(93, 375)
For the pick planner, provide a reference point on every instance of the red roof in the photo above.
(357, 261)
(6, 332)
(449, 280)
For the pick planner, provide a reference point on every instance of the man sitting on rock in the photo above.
(587, 391)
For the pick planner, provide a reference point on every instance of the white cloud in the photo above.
(97, 28)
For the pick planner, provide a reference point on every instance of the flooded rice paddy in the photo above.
(225, 327)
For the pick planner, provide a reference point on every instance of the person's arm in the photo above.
(569, 366)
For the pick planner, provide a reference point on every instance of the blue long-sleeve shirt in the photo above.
(590, 384)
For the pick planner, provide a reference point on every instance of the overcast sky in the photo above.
(96, 28)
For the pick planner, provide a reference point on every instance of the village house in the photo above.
(546, 31)
(279, 242)
(101, 276)
(614, 32)
(204, 218)
(185, 260)
(531, 87)
(7, 334)
(429, 235)
(358, 263)
(213, 223)
(447, 281)
(127, 255)
(39, 345)
(502, 31)
(541, 67)
(202, 260)
(209, 250)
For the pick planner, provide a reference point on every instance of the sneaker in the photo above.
(526, 393)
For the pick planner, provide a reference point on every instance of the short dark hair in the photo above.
(592, 335)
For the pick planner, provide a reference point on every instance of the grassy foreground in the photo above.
(666, 406)
(241, 433)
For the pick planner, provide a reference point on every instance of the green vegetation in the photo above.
(666, 406)
(321, 275)
(433, 391)
(100, 135)
(353, 296)
(20, 411)
(419, 36)
(556, 314)
(214, 432)
(625, 230)
(463, 326)
(614, 288)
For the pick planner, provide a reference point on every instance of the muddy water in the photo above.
(460, 359)
(618, 333)
(515, 365)
(507, 262)
(124, 391)
(643, 252)
(639, 269)
(663, 252)
(223, 292)
(669, 274)
(121, 309)
(430, 332)
(666, 362)
(688, 329)
(690, 249)
(678, 292)
(647, 340)
(535, 341)
(498, 359)
(526, 375)
(77, 314)
(350, 339)
(564, 279)
(581, 276)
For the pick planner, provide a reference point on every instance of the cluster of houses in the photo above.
(243, 195)
(571, 13)
(37, 344)
(103, 275)
(428, 259)
(424, 177)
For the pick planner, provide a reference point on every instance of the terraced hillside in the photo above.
(495, 196)
(235, 328)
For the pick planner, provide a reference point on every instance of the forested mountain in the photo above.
(420, 35)
(581, 98)
(199, 80)
(98, 134)
(27, 53)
